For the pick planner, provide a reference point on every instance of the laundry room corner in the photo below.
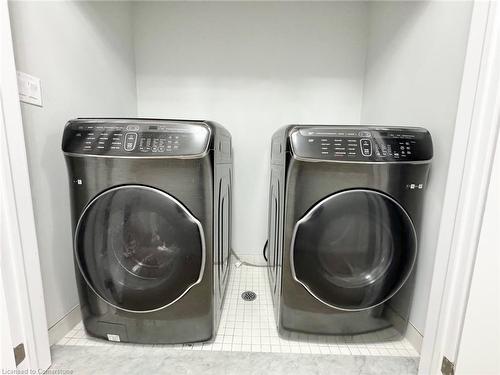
(249, 186)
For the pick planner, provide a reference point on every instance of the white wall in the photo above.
(252, 67)
(415, 60)
(83, 53)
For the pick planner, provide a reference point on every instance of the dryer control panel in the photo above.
(361, 144)
(135, 137)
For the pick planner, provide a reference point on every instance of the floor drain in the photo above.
(248, 295)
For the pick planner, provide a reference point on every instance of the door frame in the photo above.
(474, 143)
(23, 249)
(483, 314)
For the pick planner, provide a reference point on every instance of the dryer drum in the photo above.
(138, 248)
(354, 249)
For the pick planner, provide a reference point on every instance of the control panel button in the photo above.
(366, 147)
(130, 141)
(365, 134)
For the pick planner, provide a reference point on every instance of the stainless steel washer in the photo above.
(344, 213)
(151, 210)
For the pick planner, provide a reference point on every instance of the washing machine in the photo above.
(151, 216)
(345, 207)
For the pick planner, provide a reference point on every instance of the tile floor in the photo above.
(108, 359)
(250, 327)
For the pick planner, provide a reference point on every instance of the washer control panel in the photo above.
(361, 143)
(135, 137)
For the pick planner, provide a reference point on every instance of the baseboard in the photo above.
(410, 332)
(63, 326)
(253, 258)
(414, 337)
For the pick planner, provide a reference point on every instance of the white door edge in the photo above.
(21, 229)
(466, 189)
(479, 344)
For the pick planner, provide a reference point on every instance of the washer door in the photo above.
(139, 248)
(354, 250)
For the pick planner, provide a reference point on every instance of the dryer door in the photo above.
(354, 250)
(139, 248)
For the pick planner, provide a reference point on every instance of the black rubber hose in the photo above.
(264, 250)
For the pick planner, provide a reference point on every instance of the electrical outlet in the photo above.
(30, 89)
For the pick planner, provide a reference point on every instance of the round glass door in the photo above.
(354, 250)
(139, 248)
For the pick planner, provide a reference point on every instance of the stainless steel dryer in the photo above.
(151, 210)
(344, 213)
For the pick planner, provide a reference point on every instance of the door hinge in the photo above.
(19, 353)
(447, 367)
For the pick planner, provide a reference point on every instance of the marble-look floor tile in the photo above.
(136, 360)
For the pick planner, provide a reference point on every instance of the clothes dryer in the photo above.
(151, 210)
(344, 216)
